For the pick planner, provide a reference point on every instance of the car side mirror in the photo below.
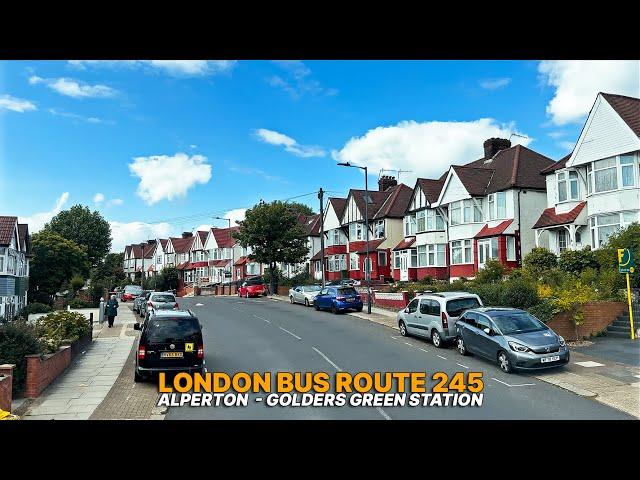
(406, 310)
(136, 326)
(487, 331)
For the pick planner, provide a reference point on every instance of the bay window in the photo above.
(603, 226)
(434, 221)
(336, 263)
(333, 237)
(436, 255)
(356, 232)
(612, 173)
(461, 252)
(491, 203)
(627, 170)
(420, 221)
(466, 211)
(455, 209)
(422, 255)
(409, 225)
(414, 258)
(379, 229)
(605, 175)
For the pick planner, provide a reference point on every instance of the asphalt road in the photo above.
(260, 335)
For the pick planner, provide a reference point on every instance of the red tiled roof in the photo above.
(311, 224)
(431, 188)
(474, 179)
(127, 250)
(163, 242)
(241, 261)
(377, 200)
(23, 236)
(373, 245)
(199, 264)
(487, 231)
(149, 250)
(406, 243)
(556, 166)
(184, 266)
(628, 108)
(221, 263)
(549, 217)
(181, 245)
(396, 203)
(223, 236)
(317, 256)
(203, 237)
(136, 250)
(339, 205)
(7, 227)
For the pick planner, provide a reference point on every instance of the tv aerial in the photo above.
(397, 172)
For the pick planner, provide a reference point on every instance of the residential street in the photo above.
(270, 335)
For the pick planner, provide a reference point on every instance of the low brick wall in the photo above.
(6, 384)
(597, 317)
(284, 291)
(43, 369)
(204, 291)
(394, 300)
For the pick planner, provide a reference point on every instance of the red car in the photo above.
(131, 292)
(252, 287)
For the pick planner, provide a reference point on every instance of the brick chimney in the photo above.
(494, 145)
(187, 234)
(386, 182)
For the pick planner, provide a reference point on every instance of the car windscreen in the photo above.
(254, 281)
(163, 298)
(517, 322)
(172, 329)
(458, 306)
(137, 289)
(347, 291)
(311, 288)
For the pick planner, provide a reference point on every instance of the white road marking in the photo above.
(327, 359)
(290, 333)
(407, 343)
(383, 413)
(441, 357)
(425, 351)
(394, 337)
(576, 375)
(637, 376)
(508, 385)
(199, 304)
(590, 364)
(463, 366)
(262, 318)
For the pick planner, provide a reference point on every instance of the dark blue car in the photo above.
(338, 299)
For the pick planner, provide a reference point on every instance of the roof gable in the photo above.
(355, 210)
(628, 108)
(223, 236)
(8, 230)
(396, 203)
(181, 245)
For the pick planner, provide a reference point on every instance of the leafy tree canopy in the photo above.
(300, 208)
(84, 227)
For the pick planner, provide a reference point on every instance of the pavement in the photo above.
(78, 392)
(620, 350)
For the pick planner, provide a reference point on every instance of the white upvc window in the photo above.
(414, 258)
(434, 221)
(567, 186)
(461, 252)
(334, 237)
(253, 268)
(436, 255)
(491, 202)
(612, 173)
(382, 259)
(1, 263)
(501, 205)
(396, 260)
(410, 225)
(562, 240)
(353, 261)
(366, 267)
(379, 229)
(466, 211)
(511, 249)
(422, 255)
(356, 231)
(420, 221)
(603, 226)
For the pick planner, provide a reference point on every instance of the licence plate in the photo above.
(351, 299)
(171, 354)
(555, 358)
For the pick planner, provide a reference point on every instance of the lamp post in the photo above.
(222, 218)
(367, 262)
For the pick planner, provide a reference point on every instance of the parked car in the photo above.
(142, 308)
(514, 338)
(130, 292)
(434, 315)
(338, 299)
(160, 301)
(139, 300)
(304, 294)
(170, 341)
(252, 287)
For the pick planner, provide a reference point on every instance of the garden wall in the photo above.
(6, 383)
(597, 316)
(43, 369)
(393, 300)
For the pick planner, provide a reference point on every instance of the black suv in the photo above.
(170, 341)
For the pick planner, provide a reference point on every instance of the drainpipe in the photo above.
(519, 256)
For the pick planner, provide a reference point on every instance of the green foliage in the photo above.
(76, 283)
(169, 278)
(106, 275)
(55, 261)
(575, 261)
(85, 228)
(300, 208)
(492, 272)
(18, 339)
(35, 307)
(60, 326)
(544, 310)
(538, 262)
(628, 238)
(79, 303)
(571, 299)
(519, 293)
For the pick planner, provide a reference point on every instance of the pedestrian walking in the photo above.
(111, 310)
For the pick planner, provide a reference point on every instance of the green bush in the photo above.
(18, 339)
(490, 294)
(543, 311)
(575, 261)
(76, 283)
(520, 293)
(539, 261)
(60, 326)
(79, 303)
(35, 307)
(492, 272)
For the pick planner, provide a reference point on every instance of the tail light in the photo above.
(445, 322)
(141, 352)
(200, 351)
(175, 306)
(149, 304)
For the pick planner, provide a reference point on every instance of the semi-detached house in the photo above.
(595, 190)
(15, 250)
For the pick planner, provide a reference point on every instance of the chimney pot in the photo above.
(386, 182)
(494, 145)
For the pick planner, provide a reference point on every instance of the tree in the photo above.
(170, 277)
(627, 238)
(274, 234)
(300, 208)
(539, 261)
(107, 275)
(55, 261)
(576, 261)
(84, 228)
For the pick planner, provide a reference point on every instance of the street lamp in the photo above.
(367, 262)
(222, 218)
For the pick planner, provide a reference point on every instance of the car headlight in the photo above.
(561, 340)
(518, 347)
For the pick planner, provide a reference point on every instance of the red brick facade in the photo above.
(43, 369)
(597, 317)
(6, 384)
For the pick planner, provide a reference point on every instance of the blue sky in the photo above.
(150, 143)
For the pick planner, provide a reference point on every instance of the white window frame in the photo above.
(511, 249)
(356, 231)
(562, 238)
(433, 252)
(466, 247)
(410, 225)
(382, 255)
(421, 251)
(594, 224)
(501, 198)
(421, 217)
(472, 205)
(379, 233)
(353, 259)
(619, 166)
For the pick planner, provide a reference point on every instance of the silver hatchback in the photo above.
(161, 301)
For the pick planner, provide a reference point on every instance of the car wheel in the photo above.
(403, 329)
(291, 299)
(359, 309)
(137, 377)
(334, 310)
(462, 348)
(436, 339)
(317, 307)
(306, 302)
(504, 363)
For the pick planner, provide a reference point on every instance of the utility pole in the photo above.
(321, 198)
(368, 262)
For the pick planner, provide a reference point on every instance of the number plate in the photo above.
(171, 355)
(555, 358)
(351, 299)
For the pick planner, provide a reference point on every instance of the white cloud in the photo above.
(7, 102)
(202, 228)
(74, 88)
(568, 146)
(81, 118)
(168, 177)
(425, 148)
(298, 81)
(98, 198)
(290, 145)
(557, 134)
(38, 220)
(577, 82)
(115, 202)
(495, 83)
(124, 234)
(175, 68)
(235, 215)
(193, 146)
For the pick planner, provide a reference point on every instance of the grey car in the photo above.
(140, 299)
(514, 338)
(142, 307)
(304, 294)
(160, 301)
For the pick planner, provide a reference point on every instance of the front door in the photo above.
(484, 252)
(404, 265)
